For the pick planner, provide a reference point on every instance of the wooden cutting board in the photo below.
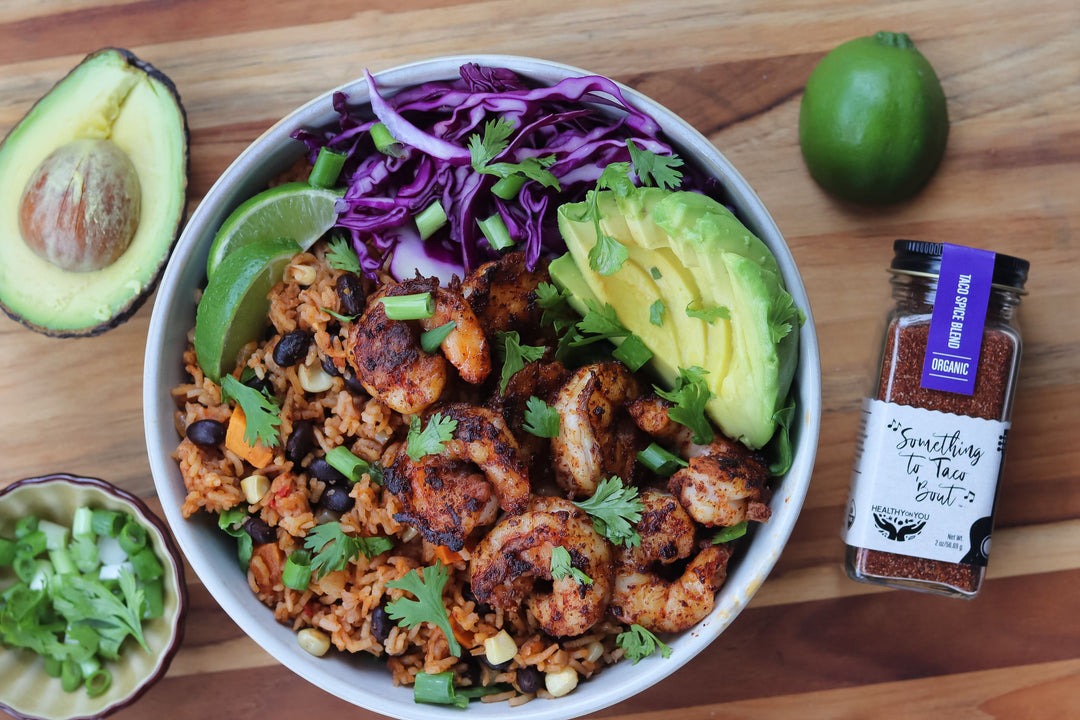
(812, 643)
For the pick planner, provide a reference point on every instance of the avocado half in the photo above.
(110, 95)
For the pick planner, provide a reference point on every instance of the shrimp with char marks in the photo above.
(539, 379)
(641, 595)
(596, 438)
(502, 293)
(516, 554)
(724, 484)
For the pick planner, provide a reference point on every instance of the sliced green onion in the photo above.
(62, 562)
(56, 536)
(25, 526)
(89, 665)
(437, 689)
(297, 571)
(348, 464)
(25, 566)
(33, 544)
(84, 552)
(509, 187)
(107, 522)
(245, 546)
(43, 570)
(132, 538)
(232, 521)
(70, 675)
(82, 523)
(496, 232)
(98, 682)
(109, 551)
(432, 339)
(730, 533)
(430, 219)
(409, 307)
(327, 168)
(154, 592)
(53, 666)
(633, 353)
(660, 461)
(146, 565)
(385, 142)
(7, 552)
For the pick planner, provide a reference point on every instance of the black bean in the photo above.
(206, 433)
(337, 499)
(352, 382)
(381, 624)
(292, 347)
(329, 366)
(262, 384)
(350, 294)
(301, 440)
(259, 531)
(500, 666)
(322, 470)
(529, 679)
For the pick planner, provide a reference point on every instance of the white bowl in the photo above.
(213, 557)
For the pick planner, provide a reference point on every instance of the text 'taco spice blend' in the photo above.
(932, 438)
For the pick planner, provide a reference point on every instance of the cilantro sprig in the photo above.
(541, 419)
(81, 599)
(708, 313)
(653, 169)
(494, 140)
(613, 509)
(333, 548)
(428, 605)
(260, 411)
(562, 565)
(638, 643)
(515, 355)
(429, 441)
(341, 256)
(690, 395)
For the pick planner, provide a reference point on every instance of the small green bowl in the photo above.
(26, 691)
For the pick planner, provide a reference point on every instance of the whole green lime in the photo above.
(873, 122)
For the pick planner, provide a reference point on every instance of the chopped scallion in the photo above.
(25, 526)
(730, 533)
(98, 682)
(632, 353)
(432, 339)
(409, 307)
(154, 592)
(7, 552)
(146, 565)
(348, 464)
(82, 523)
(660, 461)
(327, 168)
(56, 536)
(437, 689)
(70, 675)
(62, 561)
(508, 187)
(132, 537)
(107, 522)
(33, 544)
(385, 142)
(430, 219)
(297, 571)
(496, 232)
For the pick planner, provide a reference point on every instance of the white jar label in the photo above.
(924, 483)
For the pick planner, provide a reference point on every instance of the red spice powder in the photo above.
(901, 375)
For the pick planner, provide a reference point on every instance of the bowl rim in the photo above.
(195, 239)
(175, 560)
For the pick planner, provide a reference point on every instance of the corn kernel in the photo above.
(255, 487)
(317, 642)
(596, 650)
(562, 682)
(313, 378)
(500, 648)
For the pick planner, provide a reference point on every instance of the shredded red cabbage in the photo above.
(434, 121)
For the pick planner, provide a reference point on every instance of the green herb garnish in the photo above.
(639, 643)
(429, 441)
(613, 509)
(334, 549)
(690, 396)
(656, 313)
(658, 170)
(541, 419)
(260, 412)
(730, 533)
(340, 255)
(708, 313)
(515, 355)
(562, 565)
(428, 605)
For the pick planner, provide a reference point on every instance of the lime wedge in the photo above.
(233, 309)
(293, 210)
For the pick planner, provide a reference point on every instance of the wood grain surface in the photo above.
(812, 644)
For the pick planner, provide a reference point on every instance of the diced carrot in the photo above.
(258, 455)
(466, 638)
(446, 555)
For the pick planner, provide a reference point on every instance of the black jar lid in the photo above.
(915, 256)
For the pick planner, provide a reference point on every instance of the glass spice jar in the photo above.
(932, 438)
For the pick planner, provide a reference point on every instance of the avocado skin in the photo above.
(127, 311)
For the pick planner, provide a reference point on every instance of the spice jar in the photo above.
(932, 438)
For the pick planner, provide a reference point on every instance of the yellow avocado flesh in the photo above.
(109, 98)
(702, 255)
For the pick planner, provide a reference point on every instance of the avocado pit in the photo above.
(81, 207)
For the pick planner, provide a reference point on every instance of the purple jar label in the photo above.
(956, 326)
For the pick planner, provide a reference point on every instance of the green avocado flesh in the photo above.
(686, 249)
(114, 96)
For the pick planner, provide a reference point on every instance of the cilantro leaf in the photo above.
(483, 149)
(428, 605)
(430, 440)
(781, 443)
(341, 256)
(639, 643)
(533, 168)
(541, 419)
(784, 316)
(690, 396)
(332, 548)
(613, 507)
(656, 312)
(260, 412)
(562, 565)
(515, 355)
(658, 170)
(599, 324)
(338, 316)
(655, 272)
(614, 177)
(80, 598)
(708, 313)
(608, 255)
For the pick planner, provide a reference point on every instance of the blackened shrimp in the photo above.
(389, 361)
(501, 293)
(539, 379)
(641, 595)
(596, 438)
(445, 500)
(724, 484)
(517, 553)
